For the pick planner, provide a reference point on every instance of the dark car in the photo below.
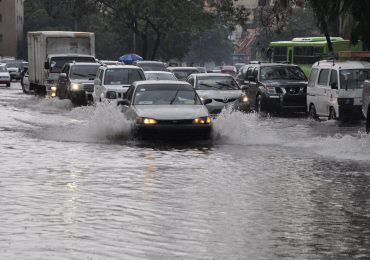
(76, 82)
(150, 65)
(274, 87)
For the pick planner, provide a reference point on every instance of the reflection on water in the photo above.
(72, 186)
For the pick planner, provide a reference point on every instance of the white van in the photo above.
(335, 89)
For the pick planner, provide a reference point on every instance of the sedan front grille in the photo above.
(225, 100)
(175, 122)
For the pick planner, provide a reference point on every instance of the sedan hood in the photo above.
(117, 88)
(171, 112)
(284, 83)
(219, 94)
(82, 81)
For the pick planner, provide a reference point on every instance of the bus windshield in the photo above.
(354, 78)
(282, 73)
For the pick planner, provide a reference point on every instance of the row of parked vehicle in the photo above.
(11, 69)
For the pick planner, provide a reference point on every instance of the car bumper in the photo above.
(174, 131)
(216, 107)
(281, 103)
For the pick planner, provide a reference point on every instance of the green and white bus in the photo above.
(306, 51)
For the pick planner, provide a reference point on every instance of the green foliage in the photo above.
(155, 29)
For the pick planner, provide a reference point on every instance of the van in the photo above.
(335, 89)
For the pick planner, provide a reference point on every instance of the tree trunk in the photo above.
(156, 45)
(325, 29)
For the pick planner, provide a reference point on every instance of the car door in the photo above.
(332, 93)
(322, 89)
(312, 90)
(247, 83)
(98, 84)
(253, 86)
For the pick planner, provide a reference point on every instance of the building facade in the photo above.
(11, 26)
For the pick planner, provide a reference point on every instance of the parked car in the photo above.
(202, 69)
(163, 107)
(231, 70)
(159, 75)
(14, 68)
(335, 89)
(182, 73)
(4, 76)
(222, 89)
(274, 87)
(110, 62)
(76, 82)
(112, 81)
(149, 65)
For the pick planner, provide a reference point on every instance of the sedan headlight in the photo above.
(146, 121)
(202, 120)
(244, 99)
(75, 87)
(271, 90)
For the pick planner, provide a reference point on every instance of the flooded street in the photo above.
(74, 185)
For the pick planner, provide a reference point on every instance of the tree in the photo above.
(155, 21)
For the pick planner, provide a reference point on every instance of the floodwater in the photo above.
(74, 185)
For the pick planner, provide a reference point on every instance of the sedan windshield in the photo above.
(159, 76)
(217, 83)
(352, 79)
(84, 71)
(282, 73)
(122, 76)
(166, 95)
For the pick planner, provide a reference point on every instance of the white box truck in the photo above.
(48, 51)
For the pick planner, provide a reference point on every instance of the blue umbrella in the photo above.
(129, 58)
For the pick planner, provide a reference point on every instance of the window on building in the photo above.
(1, 38)
(1, 17)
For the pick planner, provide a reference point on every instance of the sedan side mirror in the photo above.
(124, 102)
(46, 65)
(207, 101)
(334, 85)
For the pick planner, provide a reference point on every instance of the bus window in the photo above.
(279, 53)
